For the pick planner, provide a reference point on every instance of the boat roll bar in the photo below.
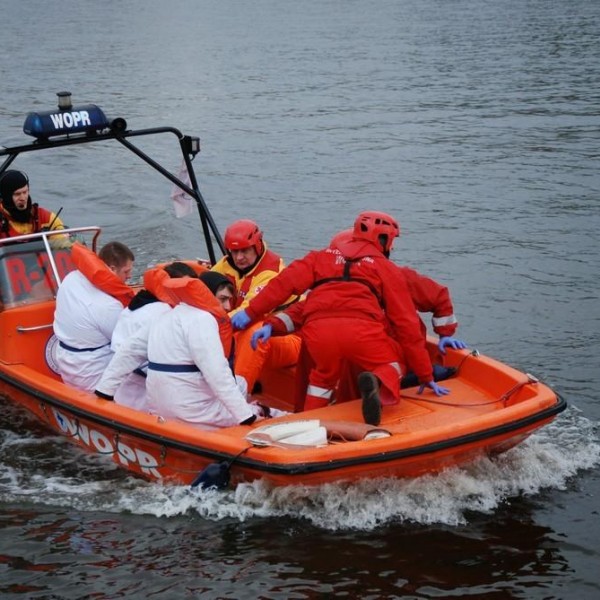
(73, 125)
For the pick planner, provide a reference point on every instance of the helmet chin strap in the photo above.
(383, 241)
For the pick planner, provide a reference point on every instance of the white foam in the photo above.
(548, 459)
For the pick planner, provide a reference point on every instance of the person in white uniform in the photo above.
(124, 379)
(189, 377)
(84, 320)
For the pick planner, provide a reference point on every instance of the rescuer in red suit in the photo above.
(344, 316)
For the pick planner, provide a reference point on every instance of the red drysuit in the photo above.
(344, 317)
(428, 296)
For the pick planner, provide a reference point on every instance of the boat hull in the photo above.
(427, 434)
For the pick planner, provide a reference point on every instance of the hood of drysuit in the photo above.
(352, 248)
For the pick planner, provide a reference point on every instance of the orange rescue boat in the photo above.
(491, 408)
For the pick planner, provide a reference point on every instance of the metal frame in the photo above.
(122, 137)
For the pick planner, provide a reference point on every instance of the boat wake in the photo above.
(39, 469)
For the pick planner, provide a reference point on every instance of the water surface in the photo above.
(477, 125)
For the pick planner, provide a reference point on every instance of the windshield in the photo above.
(30, 265)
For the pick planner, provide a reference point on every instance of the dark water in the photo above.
(477, 124)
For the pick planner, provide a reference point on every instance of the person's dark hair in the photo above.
(179, 269)
(175, 270)
(226, 286)
(116, 254)
(214, 281)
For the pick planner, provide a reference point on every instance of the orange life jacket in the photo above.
(198, 267)
(193, 292)
(99, 274)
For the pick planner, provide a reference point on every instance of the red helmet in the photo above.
(377, 227)
(243, 234)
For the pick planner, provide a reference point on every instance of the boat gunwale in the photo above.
(301, 468)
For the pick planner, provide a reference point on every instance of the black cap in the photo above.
(9, 183)
(213, 280)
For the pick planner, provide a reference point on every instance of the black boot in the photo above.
(440, 373)
(368, 385)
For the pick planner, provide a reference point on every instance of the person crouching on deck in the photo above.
(250, 265)
(428, 296)
(344, 315)
(189, 376)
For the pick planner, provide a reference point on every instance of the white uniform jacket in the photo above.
(124, 377)
(208, 398)
(84, 320)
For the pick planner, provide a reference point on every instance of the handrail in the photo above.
(54, 232)
(44, 235)
(21, 329)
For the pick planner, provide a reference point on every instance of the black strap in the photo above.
(140, 372)
(35, 213)
(346, 276)
(73, 349)
(4, 225)
(165, 368)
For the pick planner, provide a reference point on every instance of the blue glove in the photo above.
(452, 342)
(438, 390)
(240, 320)
(261, 335)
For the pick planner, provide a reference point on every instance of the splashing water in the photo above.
(548, 459)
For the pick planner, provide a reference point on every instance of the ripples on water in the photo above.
(477, 123)
(78, 511)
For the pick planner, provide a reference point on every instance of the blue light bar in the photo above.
(87, 118)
